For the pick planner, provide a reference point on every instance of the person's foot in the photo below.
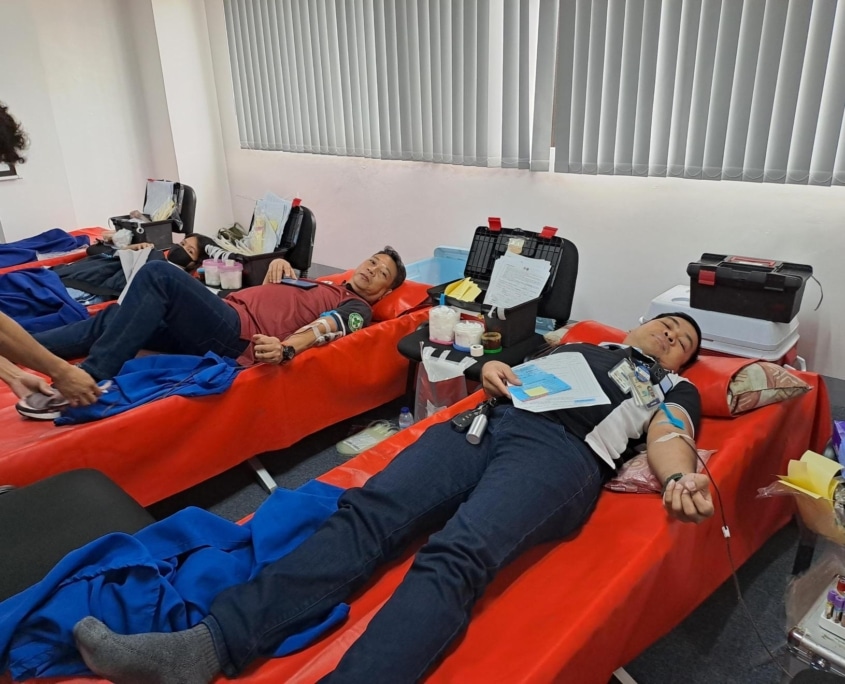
(40, 406)
(157, 658)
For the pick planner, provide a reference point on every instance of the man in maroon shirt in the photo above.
(167, 310)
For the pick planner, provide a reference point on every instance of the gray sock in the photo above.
(157, 658)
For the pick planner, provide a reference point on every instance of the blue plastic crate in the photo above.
(446, 265)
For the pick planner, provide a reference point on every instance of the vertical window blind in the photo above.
(748, 90)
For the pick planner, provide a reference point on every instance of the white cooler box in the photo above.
(724, 333)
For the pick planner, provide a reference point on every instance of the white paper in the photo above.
(573, 369)
(516, 279)
(158, 194)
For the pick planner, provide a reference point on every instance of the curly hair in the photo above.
(13, 140)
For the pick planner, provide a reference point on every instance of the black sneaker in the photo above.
(40, 406)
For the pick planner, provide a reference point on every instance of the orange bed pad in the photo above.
(578, 610)
(167, 446)
(93, 233)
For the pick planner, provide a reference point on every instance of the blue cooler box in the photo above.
(446, 265)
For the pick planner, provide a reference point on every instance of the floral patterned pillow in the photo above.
(635, 477)
(760, 384)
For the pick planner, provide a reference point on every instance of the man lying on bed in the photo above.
(533, 478)
(167, 310)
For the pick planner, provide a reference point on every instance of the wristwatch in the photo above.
(288, 353)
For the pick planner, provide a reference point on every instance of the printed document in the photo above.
(516, 279)
(570, 368)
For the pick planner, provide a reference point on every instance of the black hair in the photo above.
(13, 140)
(400, 267)
(179, 255)
(689, 319)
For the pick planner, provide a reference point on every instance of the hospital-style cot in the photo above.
(576, 611)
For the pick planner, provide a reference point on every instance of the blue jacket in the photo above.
(53, 240)
(161, 579)
(148, 378)
(37, 299)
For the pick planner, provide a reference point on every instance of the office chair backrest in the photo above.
(298, 238)
(189, 209)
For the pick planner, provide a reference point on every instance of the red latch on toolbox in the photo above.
(494, 223)
(296, 202)
(706, 277)
(548, 232)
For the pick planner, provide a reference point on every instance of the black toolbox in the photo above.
(296, 246)
(492, 241)
(160, 233)
(746, 286)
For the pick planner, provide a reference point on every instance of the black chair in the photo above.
(296, 245)
(42, 522)
(189, 209)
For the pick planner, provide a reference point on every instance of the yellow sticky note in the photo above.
(536, 391)
(813, 474)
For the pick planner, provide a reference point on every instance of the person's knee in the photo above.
(155, 269)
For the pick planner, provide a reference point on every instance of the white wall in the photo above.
(635, 236)
(111, 93)
(41, 199)
(185, 58)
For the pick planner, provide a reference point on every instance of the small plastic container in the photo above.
(406, 419)
(212, 272)
(441, 324)
(467, 333)
(231, 275)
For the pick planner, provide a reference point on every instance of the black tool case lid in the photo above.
(748, 273)
(492, 241)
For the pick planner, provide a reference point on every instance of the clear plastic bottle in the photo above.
(406, 419)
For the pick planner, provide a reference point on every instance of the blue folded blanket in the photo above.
(53, 240)
(161, 579)
(37, 299)
(148, 378)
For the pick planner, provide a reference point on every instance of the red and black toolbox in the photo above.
(492, 241)
(746, 286)
(296, 246)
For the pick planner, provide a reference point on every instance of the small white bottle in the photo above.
(405, 418)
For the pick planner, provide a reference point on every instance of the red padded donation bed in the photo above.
(578, 610)
(167, 446)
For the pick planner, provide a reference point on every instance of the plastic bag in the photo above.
(821, 515)
(440, 383)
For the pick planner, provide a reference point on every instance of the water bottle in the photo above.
(405, 418)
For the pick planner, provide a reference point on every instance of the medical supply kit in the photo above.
(513, 323)
(746, 286)
(295, 244)
(161, 216)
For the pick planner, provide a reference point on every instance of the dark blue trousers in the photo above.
(528, 482)
(165, 310)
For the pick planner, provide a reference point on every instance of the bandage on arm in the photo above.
(671, 450)
(323, 331)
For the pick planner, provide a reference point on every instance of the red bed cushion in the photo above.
(408, 296)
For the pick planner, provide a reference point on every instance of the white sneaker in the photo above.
(38, 406)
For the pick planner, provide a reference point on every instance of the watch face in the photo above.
(288, 352)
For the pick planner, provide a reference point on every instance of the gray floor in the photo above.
(717, 643)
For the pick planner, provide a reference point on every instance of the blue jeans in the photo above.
(528, 482)
(165, 310)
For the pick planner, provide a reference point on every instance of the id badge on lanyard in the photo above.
(635, 378)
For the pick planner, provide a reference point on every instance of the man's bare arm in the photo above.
(19, 346)
(671, 451)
